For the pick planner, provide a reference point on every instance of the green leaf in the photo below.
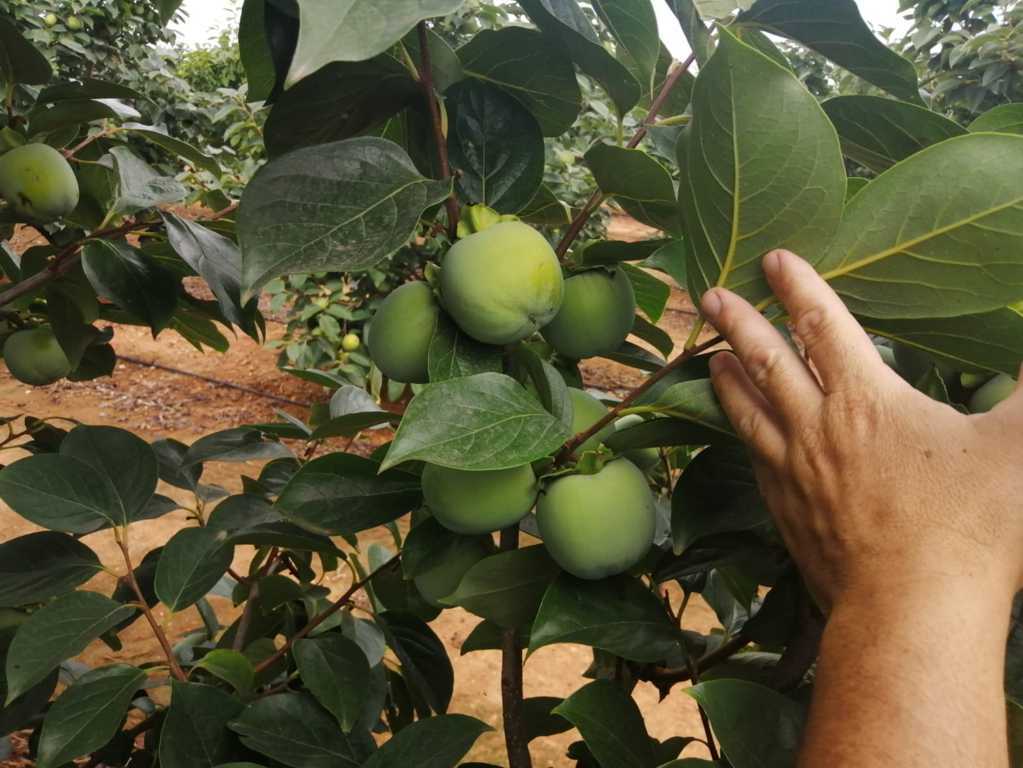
(239, 444)
(295, 731)
(88, 714)
(447, 67)
(355, 30)
(638, 182)
(133, 281)
(337, 673)
(60, 493)
(507, 588)
(992, 341)
(424, 661)
(659, 339)
(524, 64)
(453, 354)
(937, 235)
(545, 210)
(757, 727)
(167, 10)
(671, 259)
(437, 742)
(254, 50)
(1015, 714)
(157, 136)
(695, 401)
(88, 88)
(352, 410)
(194, 733)
(56, 632)
(694, 29)
(610, 724)
(634, 26)
(139, 186)
(191, 564)
(610, 252)
(617, 615)
(20, 62)
(717, 493)
(837, 31)
(1005, 118)
(65, 115)
(721, 9)
(343, 494)
(854, 185)
(495, 147)
(123, 458)
(877, 132)
(232, 667)
(486, 421)
(658, 433)
(340, 207)
(38, 566)
(651, 294)
(750, 181)
(566, 22)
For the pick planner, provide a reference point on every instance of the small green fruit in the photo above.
(35, 357)
(73, 23)
(50, 19)
(399, 340)
(644, 458)
(600, 525)
(350, 342)
(587, 411)
(479, 502)
(502, 284)
(992, 393)
(596, 316)
(442, 579)
(38, 183)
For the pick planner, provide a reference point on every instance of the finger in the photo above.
(751, 415)
(841, 352)
(770, 362)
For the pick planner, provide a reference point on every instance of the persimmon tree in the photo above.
(507, 490)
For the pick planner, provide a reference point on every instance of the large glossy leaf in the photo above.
(437, 742)
(38, 566)
(1006, 118)
(191, 564)
(693, 28)
(877, 132)
(752, 181)
(294, 730)
(194, 733)
(56, 632)
(139, 186)
(424, 661)
(355, 30)
(132, 280)
(757, 727)
(506, 588)
(566, 22)
(524, 64)
(254, 50)
(125, 459)
(65, 115)
(20, 62)
(157, 136)
(836, 30)
(88, 714)
(343, 494)
(454, 354)
(238, 444)
(495, 145)
(640, 183)
(60, 493)
(652, 294)
(617, 615)
(610, 724)
(487, 421)
(992, 341)
(343, 206)
(694, 401)
(634, 27)
(938, 235)
(337, 673)
(233, 667)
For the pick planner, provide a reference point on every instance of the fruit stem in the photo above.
(426, 80)
(511, 680)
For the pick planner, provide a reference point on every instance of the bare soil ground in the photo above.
(158, 403)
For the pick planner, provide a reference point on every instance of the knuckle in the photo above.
(814, 325)
(762, 365)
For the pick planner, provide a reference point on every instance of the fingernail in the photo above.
(773, 261)
(711, 304)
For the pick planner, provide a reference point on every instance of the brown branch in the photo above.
(70, 153)
(426, 79)
(664, 679)
(597, 197)
(570, 447)
(511, 680)
(161, 636)
(321, 617)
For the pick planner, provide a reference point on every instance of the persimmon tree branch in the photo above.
(664, 679)
(511, 680)
(430, 92)
(597, 198)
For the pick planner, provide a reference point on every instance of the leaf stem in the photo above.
(426, 80)
(511, 680)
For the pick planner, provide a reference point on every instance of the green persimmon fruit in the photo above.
(442, 579)
(644, 458)
(596, 314)
(50, 19)
(35, 357)
(350, 342)
(37, 182)
(502, 284)
(73, 23)
(479, 502)
(599, 525)
(587, 411)
(992, 393)
(399, 339)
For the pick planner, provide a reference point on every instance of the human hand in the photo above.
(871, 483)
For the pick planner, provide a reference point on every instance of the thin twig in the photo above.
(511, 680)
(70, 153)
(426, 80)
(664, 679)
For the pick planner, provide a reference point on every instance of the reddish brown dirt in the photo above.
(157, 403)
